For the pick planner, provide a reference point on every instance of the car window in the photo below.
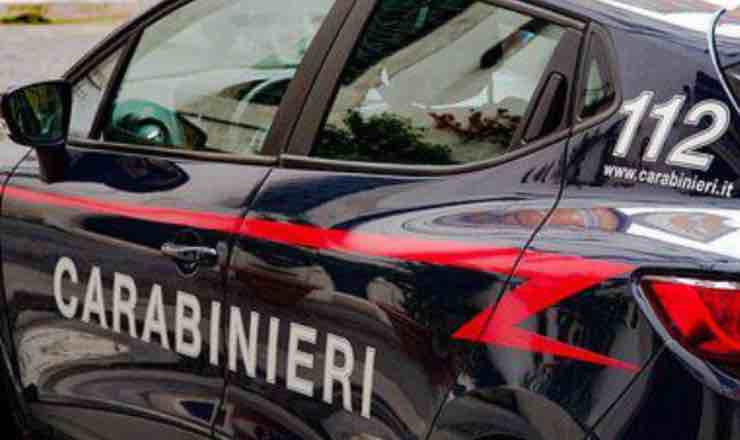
(88, 94)
(211, 75)
(599, 93)
(439, 82)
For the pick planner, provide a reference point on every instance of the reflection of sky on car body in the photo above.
(689, 14)
(676, 6)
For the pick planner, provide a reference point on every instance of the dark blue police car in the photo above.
(379, 219)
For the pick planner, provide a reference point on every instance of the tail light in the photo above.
(701, 315)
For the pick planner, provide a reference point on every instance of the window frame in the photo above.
(324, 92)
(127, 38)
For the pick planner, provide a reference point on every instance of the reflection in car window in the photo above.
(599, 93)
(211, 75)
(88, 94)
(439, 82)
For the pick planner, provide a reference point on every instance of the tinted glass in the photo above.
(440, 82)
(211, 75)
(599, 93)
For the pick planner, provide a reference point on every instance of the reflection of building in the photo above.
(381, 317)
(428, 78)
(339, 197)
(249, 416)
(710, 230)
(184, 396)
(63, 359)
(46, 347)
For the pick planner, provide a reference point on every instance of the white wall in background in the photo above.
(146, 4)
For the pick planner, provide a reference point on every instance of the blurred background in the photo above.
(40, 39)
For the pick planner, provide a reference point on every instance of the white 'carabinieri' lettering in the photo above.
(272, 349)
(65, 266)
(297, 358)
(215, 333)
(190, 323)
(124, 307)
(294, 362)
(94, 302)
(336, 373)
(247, 347)
(155, 321)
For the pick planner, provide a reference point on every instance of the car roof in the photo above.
(676, 16)
(687, 21)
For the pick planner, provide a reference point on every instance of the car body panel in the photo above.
(391, 264)
(119, 222)
(645, 227)
(491, 303)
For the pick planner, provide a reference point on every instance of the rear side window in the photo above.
(441, 82)
(599, 92)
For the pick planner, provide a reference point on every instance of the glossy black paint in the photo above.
(87, 364)
(406, 311)
(555, 201)
(11, 155)
(652, 229)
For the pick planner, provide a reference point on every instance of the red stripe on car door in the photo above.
(549, 278)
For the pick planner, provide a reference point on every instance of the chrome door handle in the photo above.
(190, 254)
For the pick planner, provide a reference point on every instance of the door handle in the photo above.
(190, 254)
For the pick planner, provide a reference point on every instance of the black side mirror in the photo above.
(38, 115)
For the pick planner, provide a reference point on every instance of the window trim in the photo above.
(164, 152)
(325, 90)
(285, 118)
(305, 162)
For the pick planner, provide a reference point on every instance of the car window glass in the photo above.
(599, 93)
(440, 82)
(211, 75)
(88, 94)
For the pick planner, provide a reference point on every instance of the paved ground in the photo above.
(29, 53)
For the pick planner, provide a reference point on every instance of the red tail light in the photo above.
(702, 315)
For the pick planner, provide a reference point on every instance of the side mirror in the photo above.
(38, 115)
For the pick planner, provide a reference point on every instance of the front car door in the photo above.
(114, 250)
(429, 148)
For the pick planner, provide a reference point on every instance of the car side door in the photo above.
(114, 249)
(427, 155)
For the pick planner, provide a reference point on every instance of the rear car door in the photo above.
(114, 250)
(427, 155)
